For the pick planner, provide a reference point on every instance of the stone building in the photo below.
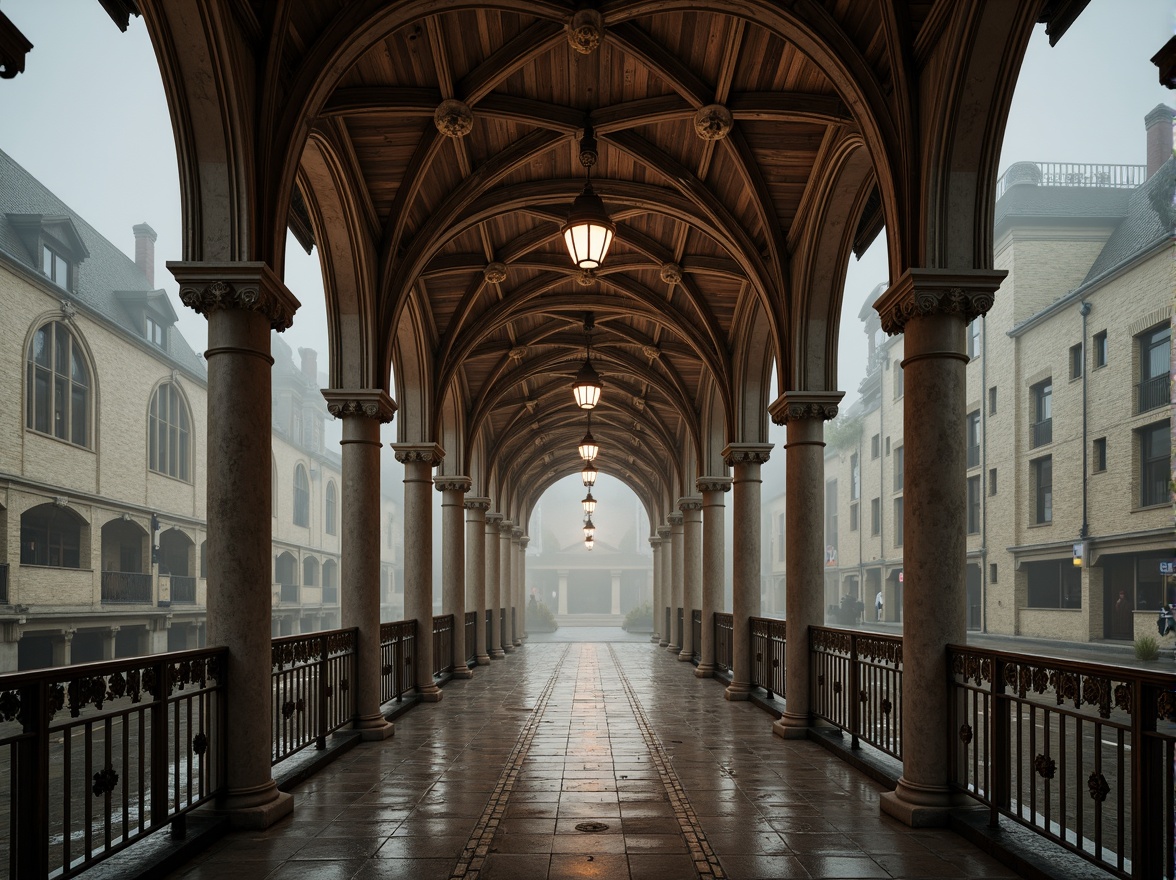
(1068, 415)
(102, 453)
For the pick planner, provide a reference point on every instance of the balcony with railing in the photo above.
(288, 594)
(126, 588)
(1040, 433)
(183, 590)
(1070, 174)
(1152, 394)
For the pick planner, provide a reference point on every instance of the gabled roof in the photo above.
(107, 278)
(1149, 216)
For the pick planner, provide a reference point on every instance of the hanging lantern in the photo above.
(588, 474)
(589, 529)
(589, 231)
(588, 543)
(589, 504)
(589, 448)
(587, 387)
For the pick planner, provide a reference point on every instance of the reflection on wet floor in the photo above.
(515, 771)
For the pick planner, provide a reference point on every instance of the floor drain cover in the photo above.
(591, 826)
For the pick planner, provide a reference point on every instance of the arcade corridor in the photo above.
(494, 780)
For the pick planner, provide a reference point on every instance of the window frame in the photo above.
(1042, 511)
(973, 505)
(331, 509)
(59, 380)
(875, 447)
(1100, 349)
(1077, 361)
(1099, 455)
(51, 260)
(875, 517)
(1153, 469)
(300, 515)
(169, 444)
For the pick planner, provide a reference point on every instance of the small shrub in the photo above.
(1147, 648)
(540, 618)
(639, 619)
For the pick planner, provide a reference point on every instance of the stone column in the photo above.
(110, 642)
(691, 571)
(522, 568)
(655, 602)
(493, 596)
(362, 412)
(667, 590)
(476, 570)
(675, 645)
(505, 599)
(713, 540)
(932, 308)
(745, 459)
(615, 603)
(419, 459)
(453, 565)
(62, 647)
(804, 414)
(563, 591)
(10, 634)
(516, 586)
(243, 302)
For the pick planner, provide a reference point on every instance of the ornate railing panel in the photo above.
(767, 655)
(1080, 753)
(696, 634)
(442, 644)
(96, 756)
(312, 695)
(397, 651)
(127, 587)
(183, 590)
(723, 641)
(857, 685)
(471, 633)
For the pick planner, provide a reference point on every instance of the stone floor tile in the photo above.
(662, 866)
(511, 866)
(605, 866)
(845, 866)
(406, 869)
(762, 867)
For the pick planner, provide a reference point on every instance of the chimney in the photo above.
(145, 251)
(309, 365)
(1159, 137)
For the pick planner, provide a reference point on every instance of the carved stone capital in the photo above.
(430, 453)
(516, 533)
(524, 541)
(453, 118)
(371, 403)
(713, 122)
(792, 406)
(493, 519)
(655, 542)
(690, 502)
(452, 484)
(245, 286)
(746, 453)
(477, 503)
(713, 484)
(505, 526)
(664, 532)
(966, 293)
(585, 31)
(675, 520)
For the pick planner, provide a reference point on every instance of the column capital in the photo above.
(746, 453)
(524, 541)
(713, 484)
(505, 525)
(372, 403)
(452, 484)
(516, 534)
(675, 520)
(690, 502)
(967, 293)
(664, 532)
(244, 286)
(473, 503)
(656, 542)
(493, 519)
(430, 453)
(792, 406)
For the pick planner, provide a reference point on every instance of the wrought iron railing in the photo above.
(126, 587)
(442, 644)
(397, 652)
(857, 685)
(1072, 174)
(1152, 393)
(1080, 753)
(696, 633)
(96, 756)
(767, 655)
(312, 694)
(1040, 433)
(723, 641)
(471, 633)
(3, 583)
(183, 590)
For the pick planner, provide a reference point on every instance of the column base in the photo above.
(686, 655)
(661, 643)
(792, 726)
(705, 670)
(463, 672)
(518, 643)
(483, 659)
(497, 654)
(508, 649)
(737, 691)
(654, 637)
(919, 806)
(430, 693)
(674, 649)
(374, 728)
(256, 808)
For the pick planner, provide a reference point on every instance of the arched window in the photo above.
(169, 448)
(331, 527)
(57, 386)
(301, 497)
(51, 535)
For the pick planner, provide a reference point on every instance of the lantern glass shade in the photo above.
(588, 543)
(589, 529)
(589, 231)
(589, 504)
(586, 389)
(589, 474)
(589, 448)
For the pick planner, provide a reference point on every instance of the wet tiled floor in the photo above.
(499, 779)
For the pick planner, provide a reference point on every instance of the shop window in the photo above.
(1054, 584)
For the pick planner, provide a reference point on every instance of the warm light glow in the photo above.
(588, 543)
(587, 387)
(589, 529)
(589, 474)
(589, 448)
(589, 231)
(589, 504)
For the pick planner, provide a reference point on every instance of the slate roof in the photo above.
(1149, 218)
(104, 273)
(1024, 202)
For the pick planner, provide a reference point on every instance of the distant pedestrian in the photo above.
(878, 605)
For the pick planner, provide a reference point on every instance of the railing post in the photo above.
(159, 743)
(397, 663)
(998, 745)
(855, 704)
(324, 694)
(1149, 777)
(32, 785)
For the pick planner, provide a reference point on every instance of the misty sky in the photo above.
(88, 118)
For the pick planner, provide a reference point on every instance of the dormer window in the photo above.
(55, 267)
(155, 332)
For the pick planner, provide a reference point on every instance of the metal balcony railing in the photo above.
(183, 590)
(1072, 174)
(126, 588)
(1041, 433)
(1152, 394)
(471, 633)
(442, 645)
(768, 639)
